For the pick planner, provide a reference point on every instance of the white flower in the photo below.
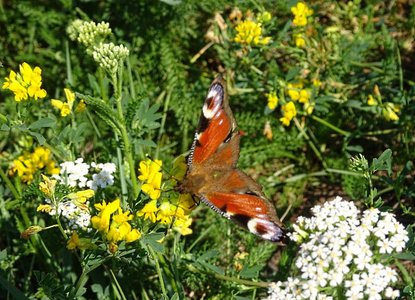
(340, 248)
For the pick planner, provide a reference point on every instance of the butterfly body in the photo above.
(212, 175)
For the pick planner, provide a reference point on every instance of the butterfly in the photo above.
(212, 175)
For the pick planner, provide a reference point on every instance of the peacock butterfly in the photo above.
(212, 175)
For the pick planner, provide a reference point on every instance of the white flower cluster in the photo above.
(78, 216)
(74, 173)
(341, 251)
(109, 55)
(89, 32)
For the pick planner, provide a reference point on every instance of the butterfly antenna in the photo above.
(286, 212)
(171, 175)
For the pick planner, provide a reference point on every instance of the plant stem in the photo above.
(160, 275)
(9, 184)
(118, 285)
(331, 126)
(85, 273)
(224, 277)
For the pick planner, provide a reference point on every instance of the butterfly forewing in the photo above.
(212, 175)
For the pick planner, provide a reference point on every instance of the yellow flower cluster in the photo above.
(66, 107)
(114, 227)
(250, 32)
(272, 99)
(150, 172)
(389, 110)
(29, 163)
(167, 212)
(26, 83)
(289, 113)
(300, 12)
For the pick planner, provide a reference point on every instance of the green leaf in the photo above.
(152, 239)
(355, 148)
(405, 256)
(209, 254)
(212, 267)
(44, 122)
(3, 255)
(38, 136)
(148, 143)
(76, 135)
(5, 127)
(250, 272)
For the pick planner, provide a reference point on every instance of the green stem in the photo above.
(9, 184)
(124, 135)
(227, 278)
(85, 272)
(310, 142)
(118, 285)
(331, 126)
(160, 275)
(163, 120)
(406, 277)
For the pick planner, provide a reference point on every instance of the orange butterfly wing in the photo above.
(212, 175)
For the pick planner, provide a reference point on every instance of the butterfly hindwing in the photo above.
(212, 175)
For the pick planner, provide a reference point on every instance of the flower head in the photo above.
(150, 172)
(66, 107)
(26, 83)
(301, 12)
(336, 240)
(249, 33)
(149, 211)
(29, 163)
(80, 243)
(114, 227)
(272, 99)
(110, 56)
(289, 113)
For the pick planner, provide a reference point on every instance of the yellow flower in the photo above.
(47, 187)
(317, 82)
(182, 225)
(250, 33)
(304, 96)
(102, 221)
(115, 228)
(65, 107)
(149, 211)
(299, 39)
(301, 12)
(309, 107)
(153, 188)
(187, 203)
(371, 101)
(166, 212)
(272, 99)
(150, 172)
(27, 83)
(132, 236)
(81, 107)
(44, 207)
(29, 163)
(81, 196)
(289, 113)
(389, 111)
(75, 242)
(293, 90)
